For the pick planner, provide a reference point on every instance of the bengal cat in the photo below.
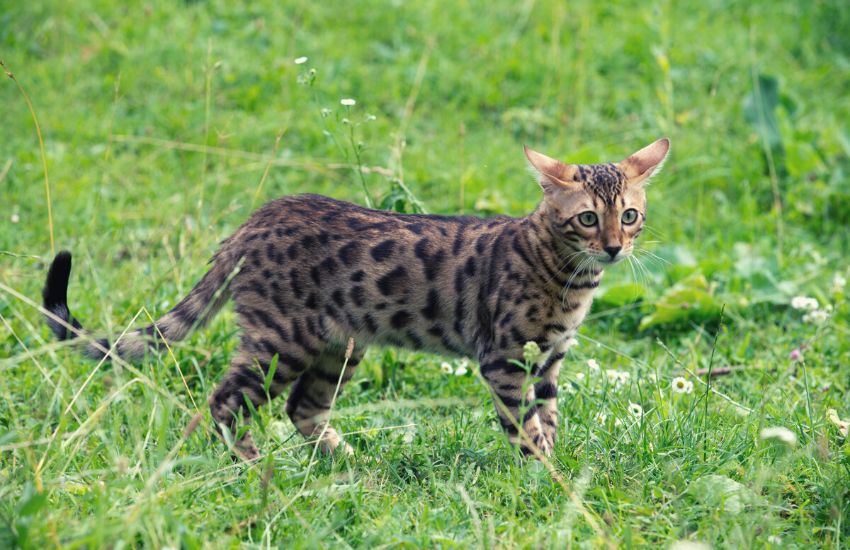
(308, 272)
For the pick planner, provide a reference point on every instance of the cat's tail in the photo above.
(198, 307)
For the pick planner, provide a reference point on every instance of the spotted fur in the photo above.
(307, 273)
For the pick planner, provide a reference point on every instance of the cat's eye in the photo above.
(630, 216)
(587, 219)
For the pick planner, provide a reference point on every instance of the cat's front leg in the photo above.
(546, 391)
(514, 396)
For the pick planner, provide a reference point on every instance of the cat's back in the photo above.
(309, 211)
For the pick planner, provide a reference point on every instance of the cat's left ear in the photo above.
(641, 165)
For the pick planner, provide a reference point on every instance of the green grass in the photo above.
(160, 123)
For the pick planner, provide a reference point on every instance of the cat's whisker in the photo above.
(645, 275)
(653, 257)
(562, 266)
(632, 267)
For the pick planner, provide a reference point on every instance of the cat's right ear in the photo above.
(552, 174)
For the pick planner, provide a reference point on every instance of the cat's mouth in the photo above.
(605, 260)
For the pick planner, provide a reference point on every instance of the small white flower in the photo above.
(461, 370)
(568, 388)
(601, 418)
(15, 218)
(617, 378)
(816, 317)
(681, 385)
(635, 410)
(300, 60)
(842, 425)
(348, 102)
(593, 365)
(774, 539)
(652, 378)
(805, 303)
(781, 434)
(530, 351)
(463, 363)
(838, 282)
(579, 377)
(617, 422)
(689, 545)
(446, 368)
(370, 118)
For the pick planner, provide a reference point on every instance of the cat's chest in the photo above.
(567, 317)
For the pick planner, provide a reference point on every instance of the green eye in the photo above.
(587, 219)
(630, 216)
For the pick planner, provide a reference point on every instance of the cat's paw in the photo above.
(246, 448)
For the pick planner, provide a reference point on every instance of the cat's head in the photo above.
(598, 209)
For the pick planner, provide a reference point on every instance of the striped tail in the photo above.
(196, 309)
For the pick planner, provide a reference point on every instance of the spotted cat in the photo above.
(307, 273)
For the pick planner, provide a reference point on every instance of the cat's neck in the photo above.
(572, 269)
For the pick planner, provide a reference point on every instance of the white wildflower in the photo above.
(652, 378)
(568, 388)
(805, 303)
(446, 368)
(689, 545)
(300, 60)
(593, 365)
(601, 418)
(617, 422)
(530, 351)
(326, 112)
(348, 102)
(635, 410)
(842, 425)
(774, 539)
(617, 378)
(838, 282)
(682, 385)
(579, 377)
(781, 434)
(462, 367)
(816, 317)
(15, 218)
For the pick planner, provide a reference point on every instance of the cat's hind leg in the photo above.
(312, 396)
(245, 383)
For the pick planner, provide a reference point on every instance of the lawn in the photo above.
(165, 124)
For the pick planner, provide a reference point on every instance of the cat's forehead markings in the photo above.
(602, 180)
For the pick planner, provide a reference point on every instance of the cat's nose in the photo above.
(613, 251)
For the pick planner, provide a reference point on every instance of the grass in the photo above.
(166, 123)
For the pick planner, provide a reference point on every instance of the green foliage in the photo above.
(165, 124)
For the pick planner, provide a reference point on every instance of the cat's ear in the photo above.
(641, 165)
(552, 174)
